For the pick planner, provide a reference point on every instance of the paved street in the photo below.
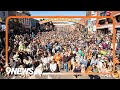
(55, 77)
(58, 77)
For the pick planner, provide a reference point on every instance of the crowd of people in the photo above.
(61, 50)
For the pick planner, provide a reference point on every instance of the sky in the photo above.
(58, 13)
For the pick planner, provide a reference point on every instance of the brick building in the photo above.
(105, 25)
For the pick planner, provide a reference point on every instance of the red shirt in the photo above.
(76, 49)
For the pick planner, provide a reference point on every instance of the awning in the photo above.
(102, 27)
(118, 26)
(116, 14)
(102, 19)
(108, 26)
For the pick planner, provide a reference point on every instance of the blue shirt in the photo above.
(94, 62)
(81, 58)
(85, 62)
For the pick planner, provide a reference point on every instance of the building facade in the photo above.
(105, 25)
(25, 21)
(82, 24)
(91, 22)
(3, 16)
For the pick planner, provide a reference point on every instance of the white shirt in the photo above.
(53, 67)
(15, 57)
(45, 60)
(39, 69)
(100, 64)
(49, 59)
(26, 61)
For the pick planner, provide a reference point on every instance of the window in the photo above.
(118, 18)
(103, 13)
(88, 13)
(3, 13)
(101, 22)
(109, 20)
(94, 13)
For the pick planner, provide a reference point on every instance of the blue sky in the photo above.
(58, 13)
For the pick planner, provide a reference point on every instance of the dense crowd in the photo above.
(61, 50)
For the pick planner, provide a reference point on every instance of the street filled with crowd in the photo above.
(61, 50)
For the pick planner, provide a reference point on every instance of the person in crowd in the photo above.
(65, 59)
(77, 68)
(53, 66)
(58, 59)
(65, 47)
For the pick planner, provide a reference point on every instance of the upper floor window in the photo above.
(109, 20)
(3, 12)
(118, 18)
(103, 13)
(101, 22)
(88, 13)
(94, 13)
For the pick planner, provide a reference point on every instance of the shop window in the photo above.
(118, 18)
(109, 20)
(101, 22)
